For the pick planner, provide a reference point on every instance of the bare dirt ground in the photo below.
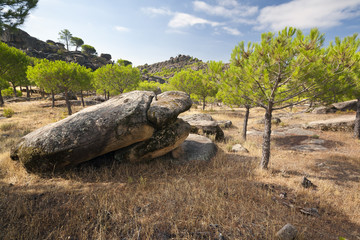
(226, 198)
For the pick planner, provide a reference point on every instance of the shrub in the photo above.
(8, 112)
(9, 92)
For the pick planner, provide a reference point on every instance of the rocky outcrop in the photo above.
(174, 63)
(51, 50)
(119, 123)
(341, 106)
(344, 123)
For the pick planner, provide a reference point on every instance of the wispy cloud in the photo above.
(181, 20)
(122, 29)
(306, 14)
(225, 8)
(157, 11)
(232, 31)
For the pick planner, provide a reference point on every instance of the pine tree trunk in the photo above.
(109, 95)
(82, 98)
(246, 118)
(42, 93)
(204, 103)
(266, 138)
(68, 105)
(14, 91)
(27, 92)
(105, 94)
(52, 99)
(357, 120)
(1, 99)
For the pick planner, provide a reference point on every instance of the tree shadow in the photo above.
(287, 142)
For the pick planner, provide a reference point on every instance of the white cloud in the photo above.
(181, 20)
(232, 31)
(226, 8)
(230, 3)
(157, 11)
(306, 14)
(122, 29)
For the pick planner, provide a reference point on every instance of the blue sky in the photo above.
(149, 31)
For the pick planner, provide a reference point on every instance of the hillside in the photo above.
(168, 68)
(51, 50)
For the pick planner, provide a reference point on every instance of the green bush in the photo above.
(8, 112)
(9, 92)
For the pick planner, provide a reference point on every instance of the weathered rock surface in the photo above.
(344, 123)
(345, 106)
(323, 110)
(204, 124)
(341, 106)
(288, 232)
(239, 148)
(195, 147)
(161, 142)
(167, 107)
(115, 124)
(274, 120)
(197, 117)
(224, 123)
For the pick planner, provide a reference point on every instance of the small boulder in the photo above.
(224, 123)
(195, 147)
(306, 183)
(324, 110)
(197, 117)
(239, 148)
(274, 120)
(203, 124)
(288, 232)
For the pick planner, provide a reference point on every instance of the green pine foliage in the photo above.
(14, 12)
(116, 79)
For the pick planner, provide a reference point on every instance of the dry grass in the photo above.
(228, 196)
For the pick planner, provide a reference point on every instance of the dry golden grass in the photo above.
(228, 196)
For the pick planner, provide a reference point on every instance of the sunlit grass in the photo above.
(228, 196)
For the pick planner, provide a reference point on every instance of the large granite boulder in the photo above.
(204, 124)
(115, 124)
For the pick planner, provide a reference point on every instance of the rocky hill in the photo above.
(51, 50)
(162, 71)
